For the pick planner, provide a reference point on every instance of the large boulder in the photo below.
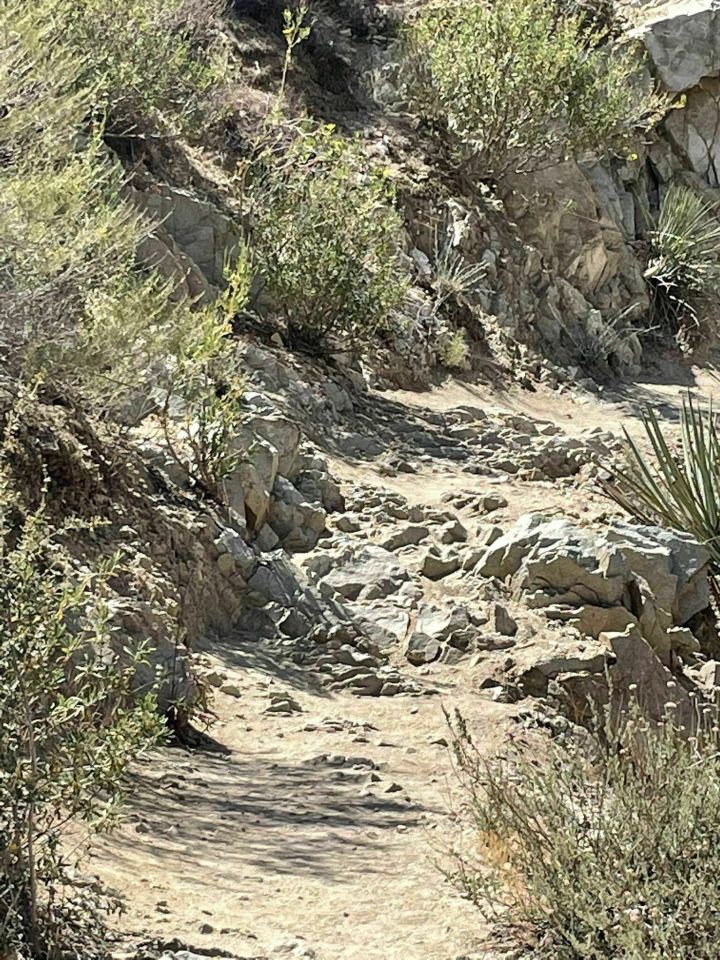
(203, 234)
(504, 556)
(674, 565)
(630, 673)
(599, 581)
(577, 218)
(683, 42)
(695, 130)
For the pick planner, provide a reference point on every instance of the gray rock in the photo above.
(348, 524)
(502, 622)
(283, 703)
(407, 536)
(655, 577)
(297, 523)
(284, 436)
(535, 665)
(683, 43)
(436, 565)
(193, 226)
(639, 675)
(441, 622)
(316, 485)
(693, 130)
(674, 565)
(453, 532)
(276, 580)
(367, 566)
(493, 501)
(504, 556)
(243, 556)
(422, 649)
(592, 620)
(574, 570)
(247, 495)
(469, 414)
(267, 540)
(361, 682)
(385, 625)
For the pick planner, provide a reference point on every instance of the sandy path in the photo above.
(319, 828)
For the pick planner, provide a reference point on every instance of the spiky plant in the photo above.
(454, 277)
(679, 490)
(684, 266)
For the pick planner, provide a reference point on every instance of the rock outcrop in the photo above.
(649, 577)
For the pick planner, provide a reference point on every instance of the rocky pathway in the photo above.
(315, 819)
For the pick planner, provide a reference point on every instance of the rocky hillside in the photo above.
(404, 525)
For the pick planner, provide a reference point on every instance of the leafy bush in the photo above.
(607, 850)
(206, 380)
(70, 726)
(521, 84)
(143, 59)
(325, 236)
(676, 489)
(75, 309)
(684, 264)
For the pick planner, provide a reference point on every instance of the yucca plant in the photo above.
(684, 266)
(454, 278)
(676, 489)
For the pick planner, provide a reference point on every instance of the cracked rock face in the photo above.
(597, 582)
(684, 43)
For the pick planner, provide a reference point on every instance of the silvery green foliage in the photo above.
(683, 271)
(326, 237)
(600, 847)
(70, 724)
(522, 84)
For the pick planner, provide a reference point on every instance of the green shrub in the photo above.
(70, 725)
(75, 309)
(678, 489)
(454, 352)
(684, 264)
(520, 84)
(605, 850)
(144, 60)
(206, 381)
(326, 238)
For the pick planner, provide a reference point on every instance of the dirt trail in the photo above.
(317, 828)
(313, 832)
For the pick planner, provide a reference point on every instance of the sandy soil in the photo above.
(324, 828)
